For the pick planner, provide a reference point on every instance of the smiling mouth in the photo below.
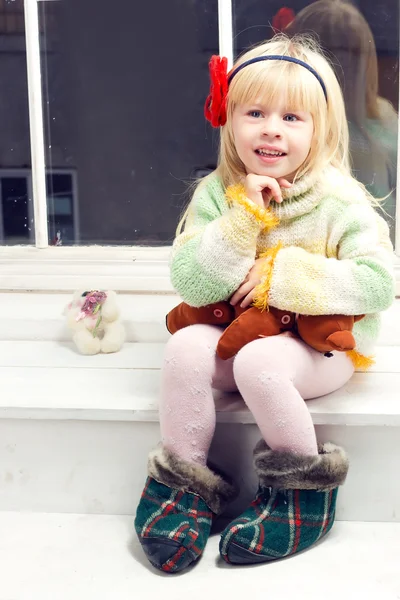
(262, 152)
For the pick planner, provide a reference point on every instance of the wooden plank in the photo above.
(132, 395)
(64, 355)
(25, 316)
(131, 356)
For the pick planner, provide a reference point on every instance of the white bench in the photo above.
(75, 431)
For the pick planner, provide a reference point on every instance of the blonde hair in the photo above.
(268, 81)
(344, 33)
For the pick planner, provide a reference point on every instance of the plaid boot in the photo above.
(173, 519)
(294, 506)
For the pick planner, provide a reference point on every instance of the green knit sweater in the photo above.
(331, 250)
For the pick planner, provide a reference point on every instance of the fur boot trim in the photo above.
(167, 468)
(289, 471)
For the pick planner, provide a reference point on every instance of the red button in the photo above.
(218, 313)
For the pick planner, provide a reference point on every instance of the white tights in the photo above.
(274, 376)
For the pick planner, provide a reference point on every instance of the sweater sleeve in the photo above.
(358, 280)
(214, 254)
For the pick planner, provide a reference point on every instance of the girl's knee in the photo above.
(270, 354)
(196, 335)
(193, 343)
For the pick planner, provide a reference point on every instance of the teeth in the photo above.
(269, 152)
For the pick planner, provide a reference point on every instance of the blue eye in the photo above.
(290, 118)
(254, 113)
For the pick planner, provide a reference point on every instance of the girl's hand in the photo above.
(247, 289)
(261, 189)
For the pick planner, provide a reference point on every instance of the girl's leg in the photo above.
(174, 515)
(187, 412)
(275, 375)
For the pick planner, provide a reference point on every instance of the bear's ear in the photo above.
(358, 318)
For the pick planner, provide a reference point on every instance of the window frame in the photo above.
(133, 268)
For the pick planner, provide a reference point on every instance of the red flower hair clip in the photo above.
(215, 106)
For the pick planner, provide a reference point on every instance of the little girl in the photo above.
(280, 222)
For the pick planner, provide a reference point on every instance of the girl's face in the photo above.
(271, 140)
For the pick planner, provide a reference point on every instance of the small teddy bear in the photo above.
(94, 318)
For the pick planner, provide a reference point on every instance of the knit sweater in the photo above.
(329, 251)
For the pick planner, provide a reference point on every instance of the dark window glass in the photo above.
(14, 199)
(61, 202)
(16, 218)
(124, 90)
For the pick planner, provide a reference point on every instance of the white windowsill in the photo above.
(124, 268)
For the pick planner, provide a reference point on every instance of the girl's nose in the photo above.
(271, 126)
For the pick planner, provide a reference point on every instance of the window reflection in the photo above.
(345, 35)
(362, 42)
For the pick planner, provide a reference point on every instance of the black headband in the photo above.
(279, 57)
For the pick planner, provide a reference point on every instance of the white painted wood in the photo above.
(85, 557)
(132, 395)
(25, 316)
(100, 466)
(51, 393)
(84, 254)
(225, 30)
(373, 452)
(75, 431)
(38, 316)
(65, 356)
(97, 269)
(66, 269)
(140, 276)
(131, 356)
(36, 122)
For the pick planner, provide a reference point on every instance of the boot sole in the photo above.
(240, 556)
(160, 550)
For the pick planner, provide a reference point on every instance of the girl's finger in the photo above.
(241, 292)
(248, 300)
(236, 297)
(284, 182)
(275, 190)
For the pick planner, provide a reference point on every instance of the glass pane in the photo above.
(124, 90)
(16, 207)
(14, 196)
(368, 75)
(62, 219)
